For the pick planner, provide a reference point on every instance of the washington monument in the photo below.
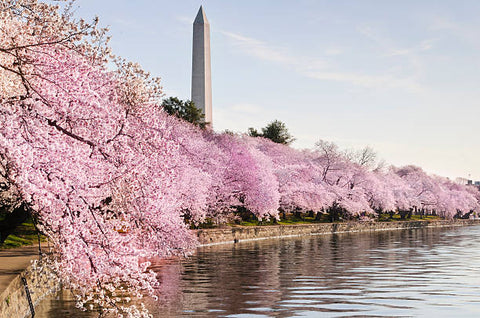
(201, 77)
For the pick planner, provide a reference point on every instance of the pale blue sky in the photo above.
(400, 76)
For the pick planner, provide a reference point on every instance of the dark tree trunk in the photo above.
(409, 216)
(334, 214)
(298, 214)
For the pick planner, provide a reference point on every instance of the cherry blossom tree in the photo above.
(301, 186)
(100, 181)
(437, 194)
(247, 178)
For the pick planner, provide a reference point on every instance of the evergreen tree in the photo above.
(276, 131)
(185, 110)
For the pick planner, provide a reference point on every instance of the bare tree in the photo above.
(365, 157)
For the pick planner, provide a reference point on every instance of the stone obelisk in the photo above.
(201, 75)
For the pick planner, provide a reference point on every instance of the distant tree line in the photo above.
(186, 110)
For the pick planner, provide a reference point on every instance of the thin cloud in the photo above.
(390, 47)
(412, 57)
(412, 51)
(315, 68)
(468, 33)
(367, 80)
(260, 49)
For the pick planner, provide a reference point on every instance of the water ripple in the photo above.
(412, 273)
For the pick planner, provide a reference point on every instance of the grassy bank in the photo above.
(291, 219)
(24, 234)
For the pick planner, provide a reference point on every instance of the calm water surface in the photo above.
(413, 273)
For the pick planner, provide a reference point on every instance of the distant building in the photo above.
(465, 181)
(461, 180)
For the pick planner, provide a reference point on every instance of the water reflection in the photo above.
(423, 272)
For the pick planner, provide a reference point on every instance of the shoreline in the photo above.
(13, 301)
(236, 234)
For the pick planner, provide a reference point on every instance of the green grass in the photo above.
(426, 217)
(15, 241)
(385, 217)
(324, 218)
(288, 221)
(24, 234)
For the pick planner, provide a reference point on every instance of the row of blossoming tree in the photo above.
(114, 181)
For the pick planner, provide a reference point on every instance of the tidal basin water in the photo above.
(432, 272)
